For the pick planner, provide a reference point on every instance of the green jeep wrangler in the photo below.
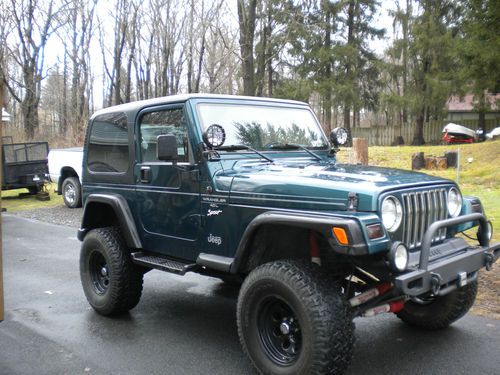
(230, 186)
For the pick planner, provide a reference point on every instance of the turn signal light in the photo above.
(374, 231)
(341, 235)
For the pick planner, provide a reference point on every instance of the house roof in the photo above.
(466, 104)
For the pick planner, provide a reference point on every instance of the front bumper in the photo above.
(446, 274)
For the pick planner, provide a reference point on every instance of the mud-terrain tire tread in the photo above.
(443, 311)
(126, 278)
(332, 321)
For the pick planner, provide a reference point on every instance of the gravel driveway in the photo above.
(56, 215)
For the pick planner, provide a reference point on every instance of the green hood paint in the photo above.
(304, 184)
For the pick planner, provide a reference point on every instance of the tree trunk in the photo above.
(63, 125)
(246, 17)
(190, 56)
(418, 135)
(349, 68)
(328, 70)
(482, 111)
(347, 118)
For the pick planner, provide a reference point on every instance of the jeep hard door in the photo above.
(168, 193)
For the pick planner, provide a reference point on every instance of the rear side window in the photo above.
(108, 144)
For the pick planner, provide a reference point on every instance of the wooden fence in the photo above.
(385, 135)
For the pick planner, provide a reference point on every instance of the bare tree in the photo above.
(35, 21)
(76, 35)
(222, 59)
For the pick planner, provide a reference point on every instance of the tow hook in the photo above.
(435, 283)
(489, 261)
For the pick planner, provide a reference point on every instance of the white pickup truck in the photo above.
(65, 168)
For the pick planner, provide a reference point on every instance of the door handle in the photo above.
(145, 175)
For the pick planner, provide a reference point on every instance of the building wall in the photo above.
(466, 116)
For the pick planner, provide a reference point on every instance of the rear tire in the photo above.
(440, 312)
(111, 282)
(72, 192)
(292, 320)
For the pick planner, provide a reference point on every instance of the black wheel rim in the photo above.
(279, 331)
(99, 273)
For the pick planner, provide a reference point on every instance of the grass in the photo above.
(19, 199)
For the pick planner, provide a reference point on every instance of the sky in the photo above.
(104, 11)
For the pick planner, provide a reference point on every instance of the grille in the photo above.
(420, 210)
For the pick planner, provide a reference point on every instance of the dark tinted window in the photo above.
(153, 124)
(108, 144)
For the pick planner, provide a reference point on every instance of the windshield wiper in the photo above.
(292, 146)
(243, 147)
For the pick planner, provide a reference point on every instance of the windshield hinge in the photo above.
(352, 201)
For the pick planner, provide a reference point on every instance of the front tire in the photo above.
(440, 312)
(111, 282)
(72, 192)
(292, 320)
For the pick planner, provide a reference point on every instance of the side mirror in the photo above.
(339, 136)
(166, 147)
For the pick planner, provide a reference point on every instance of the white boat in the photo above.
(455, 129)
(494, 133)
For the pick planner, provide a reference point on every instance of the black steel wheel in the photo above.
(98, 269)
(279, 330)
(72, 192)
(293, 320)
(111, 282)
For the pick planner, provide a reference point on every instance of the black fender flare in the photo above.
(122, 211)
(320, 223)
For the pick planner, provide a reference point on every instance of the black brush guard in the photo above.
(444, 275)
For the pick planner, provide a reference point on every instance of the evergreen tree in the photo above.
(480, 51)
(425, 60)
(332, 51)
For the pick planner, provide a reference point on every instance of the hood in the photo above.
(314, 185)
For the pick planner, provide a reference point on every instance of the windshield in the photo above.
(260, 126)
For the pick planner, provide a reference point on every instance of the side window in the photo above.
(153, 124)
(108, 144)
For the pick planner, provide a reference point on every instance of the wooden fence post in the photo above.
(360, 147)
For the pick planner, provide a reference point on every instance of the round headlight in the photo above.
(454, 202)
(399, 256)
(392, 213)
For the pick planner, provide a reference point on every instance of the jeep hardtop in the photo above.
(246, 187)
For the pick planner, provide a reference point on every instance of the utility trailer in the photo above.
(25, 166)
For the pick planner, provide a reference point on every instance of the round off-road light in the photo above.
(454, 202)
(392, 213)
(339, 136)
(214, 136)
(398, 256)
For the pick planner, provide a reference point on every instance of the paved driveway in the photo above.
(183, 325)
